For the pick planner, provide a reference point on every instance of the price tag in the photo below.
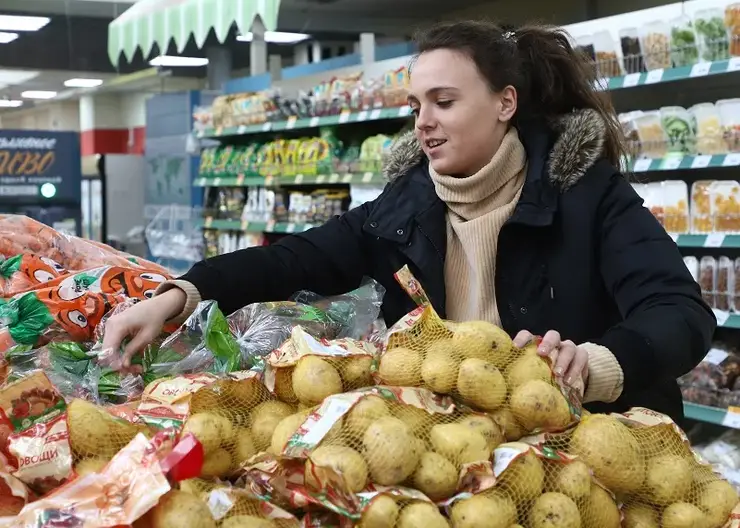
(245, 224)
(633, 79)
(334, 178)
(270, 226)
(733, 64)
(209, 221)
(731, 160)
(404, 111)
(314, 122)
(700, 70)
(216, 182)
(674, 236)
(362, 116)
(642, 165)
(201, 182)
(367, 177)
(268, 180)
(299, 179)
(266, 127)
(701, 162)
(732, 418)
(347, 178)
(290, 228)
(320, 179)
(291, 122)
(671, 163)
(219, 131)
(715, 356)
(344, 116)
(714, 240)
(240, 180)
(241, 129)
(375, 114)
(654, 76)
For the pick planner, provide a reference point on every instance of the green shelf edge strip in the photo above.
(300, 179)
(704, 413)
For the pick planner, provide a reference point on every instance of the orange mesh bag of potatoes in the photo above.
(537, 488)
(232, 417)
(304, 370)
(476, 363)
(645, 459)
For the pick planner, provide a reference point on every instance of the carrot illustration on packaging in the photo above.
(26, 272)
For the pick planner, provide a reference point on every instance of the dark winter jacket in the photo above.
(580, 255)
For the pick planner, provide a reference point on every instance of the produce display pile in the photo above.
(308, 413)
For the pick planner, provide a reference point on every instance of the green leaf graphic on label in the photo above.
(26, 318)
(10, 266)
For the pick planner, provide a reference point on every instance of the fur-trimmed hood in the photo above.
(579, 146)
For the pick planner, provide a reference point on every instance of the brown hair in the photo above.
(550, 77)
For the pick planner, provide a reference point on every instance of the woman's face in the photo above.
(460, 121)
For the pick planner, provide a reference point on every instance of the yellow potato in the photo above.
(435, 476)
(244, 447)
(363, 413)
(247, 521)
(225, 430)
(381, 513)
(418, 420)
(554, 510)
(216, 464)
(572, 479)
(284, 430)
(600, 510)
(527, 368)
(682, 515)
(486, 426)
(390, 451)
(265, 418)
(640, 516)
(538, 405)
(241, 395)
(459, 444)
(400, 367)
(284, 385)
(356, 372)
(178, 509)
(668, 479)
(94, 432)
(206, 428)
(505, 418)
(314, 379)
(440, 367)
(481, 384)
(524, 477)
(481, 340)
(492, 510)
(421, 514)
(717, 499)
(343, 461)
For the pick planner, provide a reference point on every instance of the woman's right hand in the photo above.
(141, 323)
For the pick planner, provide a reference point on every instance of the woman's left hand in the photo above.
(570, 362)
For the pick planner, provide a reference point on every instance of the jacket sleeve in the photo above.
(667, 327)
(327, 260)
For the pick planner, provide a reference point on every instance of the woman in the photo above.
(507, 205)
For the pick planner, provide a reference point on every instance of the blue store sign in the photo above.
(40, 164)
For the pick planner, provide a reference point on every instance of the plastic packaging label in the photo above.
(642, 165)
(654, 76)
(715, 356)
(701, 162)
(714, 240)
(633, 79)
(701, 69)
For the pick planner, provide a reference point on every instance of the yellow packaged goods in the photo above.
(306, 370)
(477, 363)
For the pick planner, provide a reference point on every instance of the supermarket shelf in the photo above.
(703, 413)
(253, 227)
(713, 240)
(726, 319)
(299, 179)
(679, 162)
(672, 74)
(294, 124)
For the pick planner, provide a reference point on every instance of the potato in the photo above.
(242, 394)
(225, 429)
(91, 465)
(668, 479)
(216, 464)
(480, 340)
(284, 385)
(505, 418)
(382, 512)
(572, 479)
(390, 451)
(356, 372)
(314, 379)
(284, 430)
(265, 418)
(247, 521)
(94, 432)
(484, 425)
(717, 499)
(458, 444)
(682, 515)
(554, 510)
(527, 368)
(538, 405)
(481, 384)
(206, 427)
(524, 477)
(609, 449)
(494, 510)
(600, 510)
(344, 461)
(363, 413)
(640, 516)
(400, 367)
(439, 370)
(244, 446)
(177, 509)
(435, 476)
(421, 514)
(418, 420)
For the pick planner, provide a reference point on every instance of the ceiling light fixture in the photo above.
(10, 103)
(22, 23)
(276, 37)
(80, 82)
(6, 37)
(38, 94)
(173, 61)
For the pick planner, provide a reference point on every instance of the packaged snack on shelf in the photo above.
(631, 136)
(675, 204)
(653, 139)
(655, 38)
(678, 126)
(684, 51)
(714, 44)
(732, 22)
(476, 362)
(708, 126)
(692, 264)
(646, 460)
(736, 296)
(725, 283)
(717, 372)
(607, 60)
(585, 44)
(725, 206)
(708, 279)
(729, 111)
(534, 485)
(629, 39)
(701, 210)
